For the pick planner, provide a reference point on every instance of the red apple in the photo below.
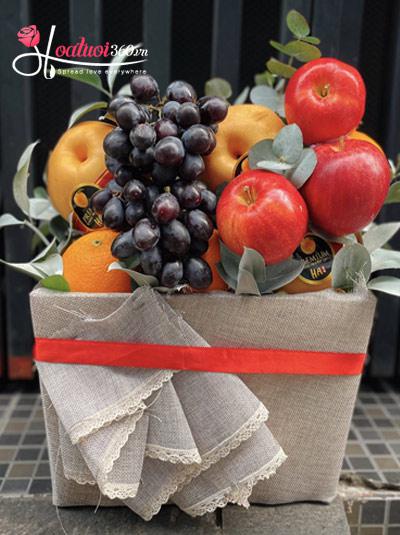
(262, 211)
(348, 186)
(326, 99)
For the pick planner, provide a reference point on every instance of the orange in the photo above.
(245, 125)
(78, 158)
(86, 263)
(356, 134)
(212, 256)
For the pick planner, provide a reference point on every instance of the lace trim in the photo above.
(125, 407)
(240, 493)
(187, 475)
(78, 479)
(174, 456)
(121, 492)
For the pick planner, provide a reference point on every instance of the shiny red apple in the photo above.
(326, 99)
(348, 186)
(262, 211)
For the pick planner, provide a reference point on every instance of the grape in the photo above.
(114, 187)
(199, 184)
(152, 192)
(144, 87)
(117, 102)
(213, 110)
(134, 211)
(213, 143)
(190, 197)
(172, 274)
(116, 144)
(165, 127)
(177, 189)
(198, 139)
(199, 225)
(163, 176)
(170, 109)
(129, 115)
(151, 261)
(165, 208)
(169, 151)
(134, 190)
(192, 167)
(112, 164)
(123, 175)
(123, 246)
(142, 158)
(100, 199)
(188, 114)
(214, 127)
(146, 234)
(208, 201)
(198, 247)
(114, 214)
(142, 136)
(176, 238)
(198, 273)
(181, 92)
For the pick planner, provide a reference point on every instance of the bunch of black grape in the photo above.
(164, 212)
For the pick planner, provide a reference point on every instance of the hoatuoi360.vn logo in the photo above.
(30, 37)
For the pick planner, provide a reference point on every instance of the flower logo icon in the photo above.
(29, 36)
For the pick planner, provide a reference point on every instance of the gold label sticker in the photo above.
(317, 254)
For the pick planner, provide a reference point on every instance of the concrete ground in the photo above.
(35, 515)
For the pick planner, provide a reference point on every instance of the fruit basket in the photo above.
(203, 267)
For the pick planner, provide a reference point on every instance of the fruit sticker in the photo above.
(84, 217)
(318, 256)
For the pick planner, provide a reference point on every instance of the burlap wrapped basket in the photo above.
(310, 412)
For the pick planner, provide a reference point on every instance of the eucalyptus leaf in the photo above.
(83, 110)
(40, 193)
(297, 24)
(41, 209)
(50, 265)
(8, 220)
(277, 275)
(125, 90)
(246, 283)
(312, 40)
(55, 282)
(140, 278)
(259, 152)
(278, 46)
(264, 78)
(385, 259)
(220, 188)
(253, 262)
(274, 165)
(218, 87)
(302, 51)
(299, 175)
(27, 268)
(288, 144)
(380, 234)
(86, 76)
(59, 227)
(394, 194)
(119, 58)
(351, 267)
(20, 181)
(268, 97)
(230, 281)
(37, 240)
(242, 97)
(388, 285)
(50, 249)
(279, 68)
(229, 260)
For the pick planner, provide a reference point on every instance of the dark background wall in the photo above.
(193, 40)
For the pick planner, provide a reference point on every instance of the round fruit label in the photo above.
(241, 165)
(83, 214)
(318, 257)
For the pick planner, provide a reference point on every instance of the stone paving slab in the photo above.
(34, 515)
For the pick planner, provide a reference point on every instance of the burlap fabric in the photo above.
(149, 436)
(310, 415)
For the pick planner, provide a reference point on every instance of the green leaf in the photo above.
(83, 110)
(125, 90)
(140, 278)
(274, 165)
(27, 268)
(41, 209)
(299, 175)
(113, 70)
(87, 76)
(20, 181)
(59, 228)
(378, 235)
(278, 46)
(302, 51)
(242, 97)
(264, 78)
(55, 282)
(229, 260)
(37, 240)
(253, 262)
(218, 87)
(288, 144)
(385, 259)
(51, 265)
(40, 193)
(351, 267)
(388, 285)
(268, 97)
(230, 281)
(8, 220)
(311, 40)
(394, 194)
(277, 275)
(259, 152)
(297, 24)
(50, 249)
(280, 69)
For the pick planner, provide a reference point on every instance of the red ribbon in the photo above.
(212, 359)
